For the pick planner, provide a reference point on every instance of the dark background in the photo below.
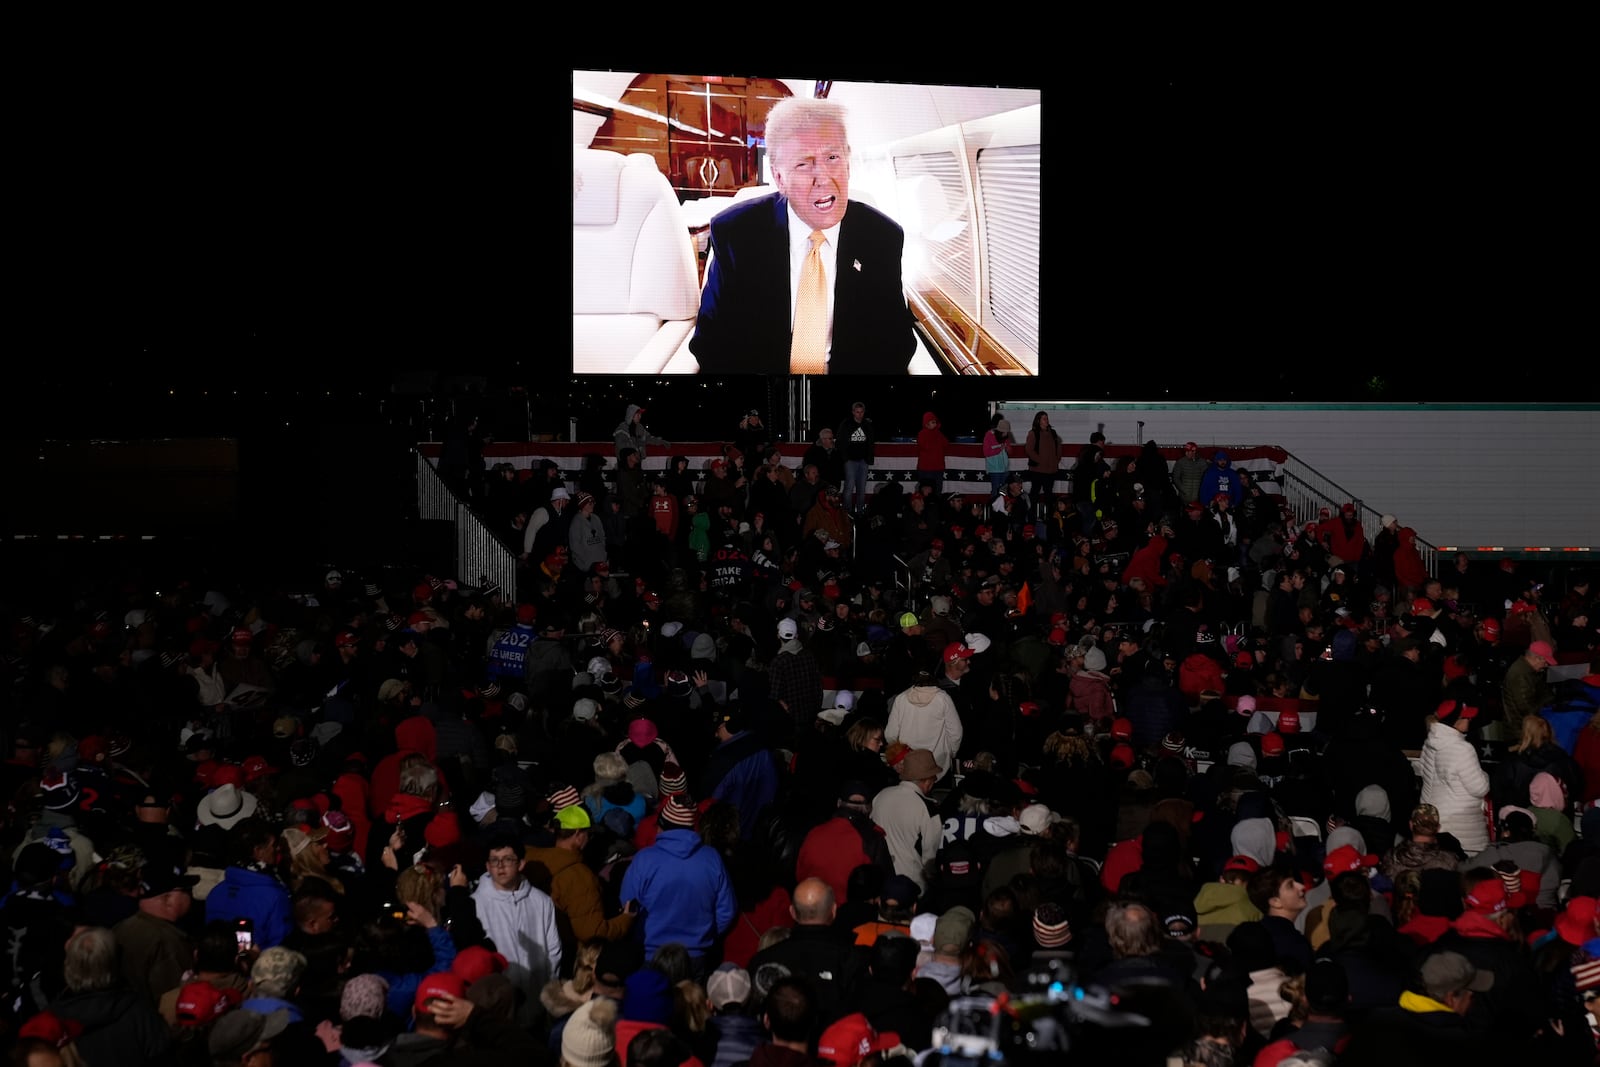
(322, 258)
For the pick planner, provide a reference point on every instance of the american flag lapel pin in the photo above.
(856, 264)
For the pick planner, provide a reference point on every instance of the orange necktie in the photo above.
(808, 351)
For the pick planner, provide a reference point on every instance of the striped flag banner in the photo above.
(965, 469)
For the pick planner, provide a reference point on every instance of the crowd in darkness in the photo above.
(770, 762)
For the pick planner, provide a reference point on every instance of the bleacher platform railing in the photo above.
(1308, 491)
(480, 555)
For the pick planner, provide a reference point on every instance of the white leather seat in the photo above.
(635, 287)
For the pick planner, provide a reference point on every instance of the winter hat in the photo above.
(1050, 926)
(364, 994)
(642, 732)
(590, 1037)
(341, 833)
(647, 996)
(674, 779)
(677, 813)
(564, 797)
(1094, 660)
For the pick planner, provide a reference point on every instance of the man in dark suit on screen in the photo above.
(774, 258)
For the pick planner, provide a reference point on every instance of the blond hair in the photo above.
(797, 115)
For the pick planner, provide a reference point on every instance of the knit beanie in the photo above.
(674, 780)
(590, 1037)
(647, 996)
(1050, 926)
(677, 813)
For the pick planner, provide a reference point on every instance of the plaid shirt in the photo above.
(796, 679)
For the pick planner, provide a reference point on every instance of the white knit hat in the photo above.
(590, 1038)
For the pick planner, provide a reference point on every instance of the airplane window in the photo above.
(1009, 180)
(947, 259)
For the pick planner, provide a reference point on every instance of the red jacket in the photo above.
(1146, 563)
(931, 444)
(830, 852)
(1198, 673)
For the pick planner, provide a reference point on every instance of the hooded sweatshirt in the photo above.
(1255, 838)
(924, 716)
(683, 890)
(931, 443)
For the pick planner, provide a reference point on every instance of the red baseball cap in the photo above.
(1288, 722)
(1122, 729)
(1491, 629)
(475, 962)
(1576, 923)
(1421, 604)
(1344, 859)
(442, 984)
(1488, 897)
(1272, 744)
(226, 773)
(526, 613)
(242, 636)
(1122, 756)
(348, 639)
(1242, 863)
(1543, 650)
(256, 766)
(851, 1040)
(957, 650)
(201, 1002)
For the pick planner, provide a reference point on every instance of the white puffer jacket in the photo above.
(1454, 782)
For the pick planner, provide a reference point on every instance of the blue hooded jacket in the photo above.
(261, 898)
(683, 891)
(1221, 479)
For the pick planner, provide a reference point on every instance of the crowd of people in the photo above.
(782, 765)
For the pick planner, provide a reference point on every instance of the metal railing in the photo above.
(480, 555)
(1308, 491)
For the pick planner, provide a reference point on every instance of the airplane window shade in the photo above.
(949, 253)
(1009, 178)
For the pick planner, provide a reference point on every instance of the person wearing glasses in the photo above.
(521, 921)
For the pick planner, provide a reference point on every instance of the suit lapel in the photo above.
(847, 284)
